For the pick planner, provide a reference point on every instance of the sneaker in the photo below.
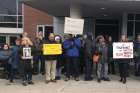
(106, 79)
(99, 80)
(77, 79)
(67, 79)
(124, 81)
(89, 79)
(54, 81)
(11, 81)
(31, 82)
(58, 78)
(24, 83)
(121, 80)
(47, 81)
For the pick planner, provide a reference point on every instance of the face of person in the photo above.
(138, 38)
(51, 38)
(57, 40)
(5, 47)
(101, 40)
(123, 37)
(17, 42)
(110, 39)
(25, 34)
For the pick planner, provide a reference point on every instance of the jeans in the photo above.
(102, 70)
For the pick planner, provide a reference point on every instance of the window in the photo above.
(44, 30)
(12, 40)
(2, 40)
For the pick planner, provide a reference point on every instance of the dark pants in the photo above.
(123, 69)
(111, 67)
(37, 59)
(13, 72)
(88, 68)
(137, 66)
(27, 70)
(72, 66)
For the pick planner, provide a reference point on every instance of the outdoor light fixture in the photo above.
(105, 15)
(102, 8)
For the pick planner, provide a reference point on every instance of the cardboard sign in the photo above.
(73, 26)
(27, 53)
(122, 50)
(52, 49)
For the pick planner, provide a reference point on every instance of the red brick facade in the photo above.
(34, 17)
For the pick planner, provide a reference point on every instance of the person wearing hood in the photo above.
(102, 66)
(137, 56)
(15, 60)
(6, 57)
(72, 46)
(88, 52)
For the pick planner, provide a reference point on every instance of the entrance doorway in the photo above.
(107, 28)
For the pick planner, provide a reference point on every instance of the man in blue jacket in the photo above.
(72, 47)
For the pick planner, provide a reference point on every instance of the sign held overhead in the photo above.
(73, 26)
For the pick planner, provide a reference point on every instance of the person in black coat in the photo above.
(88, 53)
(123, 64)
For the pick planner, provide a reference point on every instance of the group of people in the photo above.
(77, 58)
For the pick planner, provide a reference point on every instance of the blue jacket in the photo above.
(72, 47)
(15, 56)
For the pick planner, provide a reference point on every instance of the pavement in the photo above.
(114, 86)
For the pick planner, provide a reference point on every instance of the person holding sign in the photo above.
(72, 46)
(123, 63)
(26, 56)
(50, 59)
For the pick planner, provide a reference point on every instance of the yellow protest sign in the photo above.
(52, 49)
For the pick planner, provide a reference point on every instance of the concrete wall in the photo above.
(58, 24)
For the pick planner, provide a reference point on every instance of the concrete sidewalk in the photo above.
(114, 86)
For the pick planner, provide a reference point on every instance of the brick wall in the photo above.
(34, 17)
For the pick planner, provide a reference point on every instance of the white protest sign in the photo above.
(73, 26)
(27, 53)
(122, 50)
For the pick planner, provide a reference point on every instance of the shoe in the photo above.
(24, 83)
(58, 78)
(106, 79)
(67, 79)
(43, 73)
(89, 79)
(47, 81)
(11, 81)
(77, 79)
(99, 80)
(121, 80)
(124, 81)
(54, 81)
(31, 82)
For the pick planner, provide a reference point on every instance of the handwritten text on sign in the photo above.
(73, 26)
(52, 49)
(122, 50)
